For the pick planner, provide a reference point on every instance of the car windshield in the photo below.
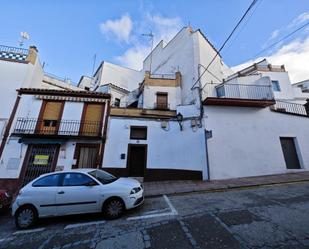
(103, 176)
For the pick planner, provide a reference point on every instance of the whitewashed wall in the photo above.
(170, 149)
(150, 96)
(246, 141)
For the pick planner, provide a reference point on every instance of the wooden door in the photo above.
(290, 153)
(137, 159)
(50, 116)
(86, 155)
(92, 119)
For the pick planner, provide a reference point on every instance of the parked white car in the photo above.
(76, 192)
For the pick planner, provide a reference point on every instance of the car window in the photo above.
(47, 181)
(103, 176)
(77, 179)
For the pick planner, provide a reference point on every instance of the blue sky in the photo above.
(69, 33)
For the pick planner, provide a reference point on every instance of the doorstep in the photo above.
(186, 186)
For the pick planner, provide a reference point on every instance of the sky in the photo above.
(68, 34)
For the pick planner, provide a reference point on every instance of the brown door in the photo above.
(137, 159)
(50, 117)
(162, 100)
(92, 119)
(86, 155)
(40, 159)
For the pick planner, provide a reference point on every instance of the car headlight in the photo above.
(135, 190)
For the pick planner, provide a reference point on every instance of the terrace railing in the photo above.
(14, 50)
(241, 91)
(290, 108)
(32, 126)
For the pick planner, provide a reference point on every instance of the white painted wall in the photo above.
(150, 96)
(246, 141)
(172, 149)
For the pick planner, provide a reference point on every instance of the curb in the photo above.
(227, 188)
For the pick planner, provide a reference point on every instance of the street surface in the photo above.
(263, 217)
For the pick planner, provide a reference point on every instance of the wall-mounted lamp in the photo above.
(179, 118)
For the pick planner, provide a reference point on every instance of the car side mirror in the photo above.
(90, 184)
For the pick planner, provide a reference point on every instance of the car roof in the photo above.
(83, 170)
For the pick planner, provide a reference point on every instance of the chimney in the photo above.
(32, 55)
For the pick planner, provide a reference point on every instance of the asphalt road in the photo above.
(265, 217)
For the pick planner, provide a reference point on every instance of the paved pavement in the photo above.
(261, 217)
(176, 187)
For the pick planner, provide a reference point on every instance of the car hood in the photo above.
(129, 182)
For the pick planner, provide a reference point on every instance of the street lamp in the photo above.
(179, 118)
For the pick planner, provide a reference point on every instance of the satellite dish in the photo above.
(23, 36)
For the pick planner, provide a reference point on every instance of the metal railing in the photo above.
(288, 107)
(241, 91)
(14, 50)
(33, 126)
(161, 106)
(163, 76)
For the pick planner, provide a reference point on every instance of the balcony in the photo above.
(162, 106)
(240, 95)
(31, 127)
(290, 108)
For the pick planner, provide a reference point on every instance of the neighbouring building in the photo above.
(53, 130)
(303, 85)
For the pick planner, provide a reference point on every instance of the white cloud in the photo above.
(295, 57)
(133, 57)
(120, 28)
(163, 28)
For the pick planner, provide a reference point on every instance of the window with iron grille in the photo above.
(138, 132)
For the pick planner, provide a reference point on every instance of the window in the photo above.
(138, 132)
(103, 176)
(161, 100)
(117, 102)
(48, 181)
(77, 179)
(275, 85)
(50, 123)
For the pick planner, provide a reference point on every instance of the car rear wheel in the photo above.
(113, 208)
(25, 217)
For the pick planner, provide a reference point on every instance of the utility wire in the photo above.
(227, 39)
(283, 38)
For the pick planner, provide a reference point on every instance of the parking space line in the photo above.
(154, 213)
(85, 224)
(29, 231)
(170, 205)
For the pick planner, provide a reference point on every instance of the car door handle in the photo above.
(61, 192)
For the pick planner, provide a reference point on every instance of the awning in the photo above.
(41, 141)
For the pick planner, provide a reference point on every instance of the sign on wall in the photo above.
(41, 160)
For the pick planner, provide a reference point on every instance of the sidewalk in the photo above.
(177, 187)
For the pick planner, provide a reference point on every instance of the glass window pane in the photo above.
(47, 181)
(77, 179)
(275, 85)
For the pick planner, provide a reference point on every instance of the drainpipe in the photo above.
(9, 124)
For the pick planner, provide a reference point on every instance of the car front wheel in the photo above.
(25, 217)
(113, 208)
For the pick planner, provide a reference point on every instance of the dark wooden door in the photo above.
(137, 158)
(290, 153)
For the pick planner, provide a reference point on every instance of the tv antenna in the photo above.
(23, 36)
(150, 34)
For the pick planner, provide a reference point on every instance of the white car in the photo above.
(76, 192)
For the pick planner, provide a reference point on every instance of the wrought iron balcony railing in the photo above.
(76, 128)
(240, 91)
(162, 106)
(14, 50)
(290, 108)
